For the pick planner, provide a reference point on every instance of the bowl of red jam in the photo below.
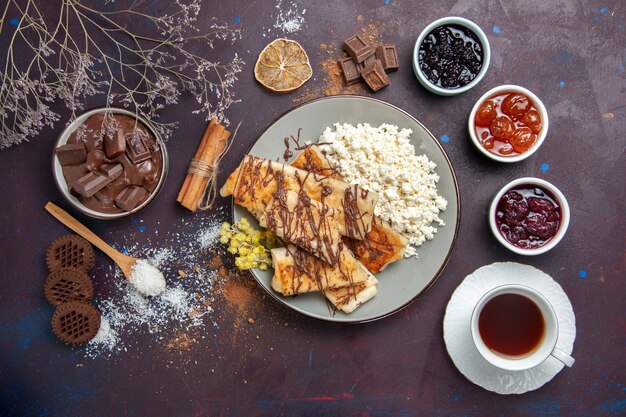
(451, 55)
(529, 216)
(508, 123)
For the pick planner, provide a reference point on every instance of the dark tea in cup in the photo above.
(511, 324)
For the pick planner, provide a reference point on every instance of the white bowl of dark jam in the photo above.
(451, 56)
(529, 216)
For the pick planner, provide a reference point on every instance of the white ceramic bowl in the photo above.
(509, 88)
(451, 20)
(556, 193)
(57, 170)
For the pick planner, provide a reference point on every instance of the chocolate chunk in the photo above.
(111, 170)
(366, 62)
(72, 154)
(115, 144)
(350, 71)
(374, 75)
(91, 183)
(95, 159)
(388, 56)
(129, 198)
(357, 48)
(137, 150)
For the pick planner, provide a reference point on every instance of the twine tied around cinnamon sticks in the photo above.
(200, 187)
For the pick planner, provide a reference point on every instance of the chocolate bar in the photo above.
(91, 183)
(112, 170)
(357, 48)
(71, 154)
(374, 75)
(349, 69)
(388, 56)
(137, 150)
(115, 144)
(129, 198)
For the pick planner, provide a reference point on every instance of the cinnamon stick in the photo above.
(213, 143)
(203, 142)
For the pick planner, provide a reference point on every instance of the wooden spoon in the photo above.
(123, 261)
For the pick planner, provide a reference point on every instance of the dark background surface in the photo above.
(570, 53)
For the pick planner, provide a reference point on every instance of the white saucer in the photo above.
(458, 338)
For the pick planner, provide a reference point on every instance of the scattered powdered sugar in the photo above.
(289, 18)
(189, 246)
(105, 339)
(147, 279)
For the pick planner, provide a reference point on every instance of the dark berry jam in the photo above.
(451, 56)
(528, 216)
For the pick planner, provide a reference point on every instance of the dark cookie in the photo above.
(70, 251)
(75, 322)
(68, 284)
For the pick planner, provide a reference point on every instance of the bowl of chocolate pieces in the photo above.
(109, 163)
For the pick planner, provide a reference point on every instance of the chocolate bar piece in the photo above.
(357, 48)
(388, 56)
(112, 170)
(137, 150)
(115, 144)
(72, 153)
(91, 183)
(349, 69)
(129, 198)
(366, 62)
(374, 75)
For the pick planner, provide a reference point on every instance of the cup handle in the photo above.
(563, 357)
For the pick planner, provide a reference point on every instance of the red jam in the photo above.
(528, 216)
(507, 124)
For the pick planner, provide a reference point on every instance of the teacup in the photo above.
(515, 328)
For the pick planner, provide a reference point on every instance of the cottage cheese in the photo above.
(383, 160)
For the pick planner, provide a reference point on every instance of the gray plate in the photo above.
(403, 281)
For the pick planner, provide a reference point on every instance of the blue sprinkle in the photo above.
(621, 67)
(142, 228)
(387, 2)
(561, 84)
(544, 167)
(15, 22)
(124, 250)
(237, 19)
(620, 26)
(496, 29)
(582, 273)
(457, 398)
(444, 138)
(603, 10)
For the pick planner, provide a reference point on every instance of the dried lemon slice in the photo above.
(283, 66)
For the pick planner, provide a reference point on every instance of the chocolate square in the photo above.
(350, 70)
(374, 75)
(115, 144)
(366, 62)
(71, 154)
(128, 199)
(388, 56)
(357, 48)
(137, 150)
(111, 170)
